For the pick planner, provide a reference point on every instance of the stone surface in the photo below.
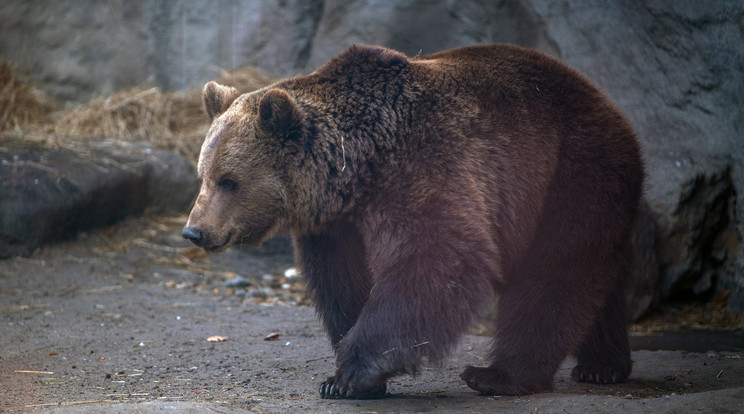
(51, 194)
(172, 181)
(99, 47)
(724, 401)
(675, 67)
(95, 47)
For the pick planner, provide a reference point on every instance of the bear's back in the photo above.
(519, 84)
(547, 136)
(530, 105)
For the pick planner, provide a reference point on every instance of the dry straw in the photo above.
(172, 120)
(19, 102)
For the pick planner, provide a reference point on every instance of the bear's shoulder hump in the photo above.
(359, 56)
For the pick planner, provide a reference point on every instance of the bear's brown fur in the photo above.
(417, 190)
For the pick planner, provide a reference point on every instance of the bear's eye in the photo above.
(228, 185)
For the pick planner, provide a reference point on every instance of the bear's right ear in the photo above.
(279, 116)
(218, 98)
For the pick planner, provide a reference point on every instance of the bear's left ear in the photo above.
(218, 98)
(278, 115)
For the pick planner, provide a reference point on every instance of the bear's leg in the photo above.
(540, 321)
(425, 296)
(335, 272)
(604, 355)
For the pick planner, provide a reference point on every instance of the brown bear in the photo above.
(420, 190)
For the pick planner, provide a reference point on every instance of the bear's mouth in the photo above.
(221, 246)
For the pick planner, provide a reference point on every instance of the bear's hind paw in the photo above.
(494, 381)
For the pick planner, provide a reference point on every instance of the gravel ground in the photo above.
(120, 320)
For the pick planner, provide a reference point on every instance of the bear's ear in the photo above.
(218, 98)
(278, 115)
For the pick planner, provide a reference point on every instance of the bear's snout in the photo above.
(195, 235)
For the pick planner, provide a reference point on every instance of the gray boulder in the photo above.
(50, 194)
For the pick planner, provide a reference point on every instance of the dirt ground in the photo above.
(122, 320)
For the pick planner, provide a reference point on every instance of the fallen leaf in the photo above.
(722, 299)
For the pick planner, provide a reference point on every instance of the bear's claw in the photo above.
(330, 390)
(599, 374)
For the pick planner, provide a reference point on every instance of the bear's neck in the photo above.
(351, 135)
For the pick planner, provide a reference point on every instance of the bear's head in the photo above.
(243, 193)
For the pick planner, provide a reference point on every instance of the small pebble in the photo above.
(260, 293)
(237, 282)
(291, 275)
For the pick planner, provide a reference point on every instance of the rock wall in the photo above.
(675, 67)
(88, 47)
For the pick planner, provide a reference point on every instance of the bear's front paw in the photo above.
(600, 374)
(331, 389)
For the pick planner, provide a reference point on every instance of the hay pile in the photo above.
(138, 114)
(19, 102)
(174, 121)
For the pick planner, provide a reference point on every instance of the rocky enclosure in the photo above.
(676, 68)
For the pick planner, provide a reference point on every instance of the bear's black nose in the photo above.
(195, 235)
